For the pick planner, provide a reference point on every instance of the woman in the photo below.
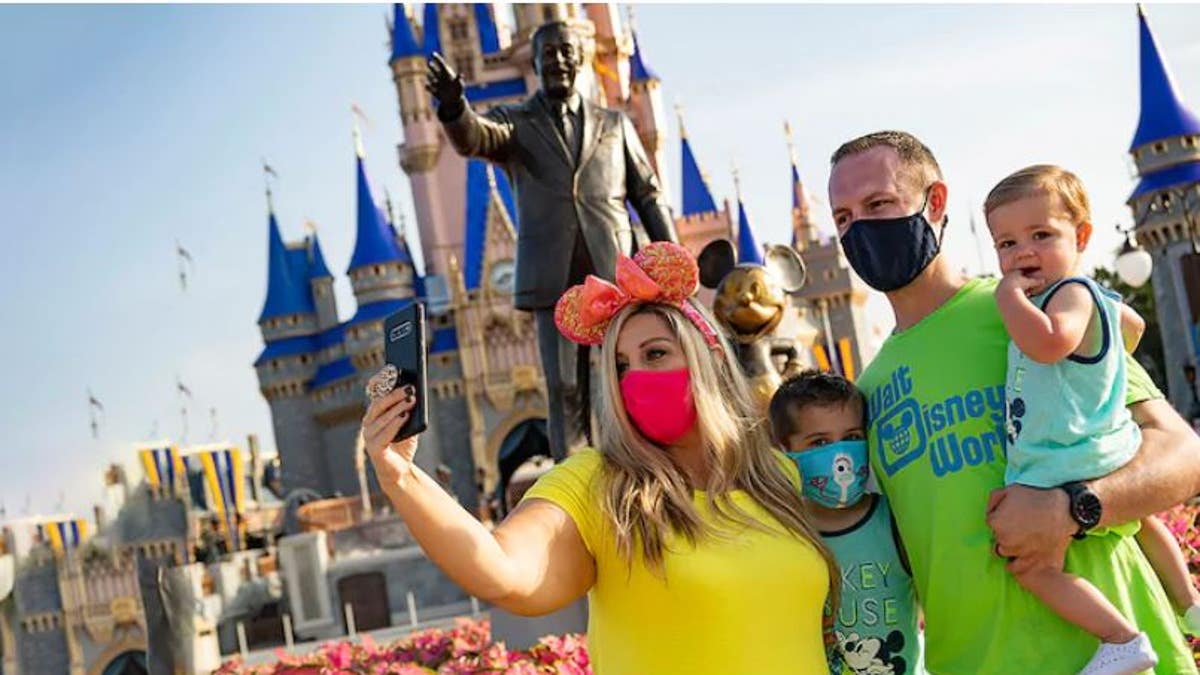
(685, 526)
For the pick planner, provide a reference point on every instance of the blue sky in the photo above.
(126, 128)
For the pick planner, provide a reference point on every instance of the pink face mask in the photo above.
(660, 403)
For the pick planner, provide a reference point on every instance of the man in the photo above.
(936, 398)
(574, 165)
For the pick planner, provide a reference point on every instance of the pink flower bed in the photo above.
(467, 648)
(1184, 523)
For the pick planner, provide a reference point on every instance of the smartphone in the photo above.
(404, 347)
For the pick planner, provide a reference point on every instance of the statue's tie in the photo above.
(566, 127)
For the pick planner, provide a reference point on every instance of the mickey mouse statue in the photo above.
(750, 303)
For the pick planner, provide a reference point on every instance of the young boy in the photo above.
(820, 420)
(1065, 415)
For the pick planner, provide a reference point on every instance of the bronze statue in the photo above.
(750, 303)
(573, 166)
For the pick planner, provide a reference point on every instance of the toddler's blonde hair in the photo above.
(1043, 179)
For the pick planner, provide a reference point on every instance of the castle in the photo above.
(1165, 205)
(489, 401)
(74, 601)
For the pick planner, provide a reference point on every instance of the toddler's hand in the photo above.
(1016, 282)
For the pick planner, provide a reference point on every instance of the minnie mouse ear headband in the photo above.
(663, 273)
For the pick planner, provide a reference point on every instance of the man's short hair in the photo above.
(809, 388)
(915, 156)
(548, 27)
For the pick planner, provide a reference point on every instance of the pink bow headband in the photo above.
(662, 273)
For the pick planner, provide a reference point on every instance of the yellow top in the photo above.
(750, 603)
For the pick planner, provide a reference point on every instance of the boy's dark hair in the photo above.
(811, 387)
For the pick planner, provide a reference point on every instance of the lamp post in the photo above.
(1133, 263)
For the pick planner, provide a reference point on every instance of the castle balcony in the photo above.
(418, 158)
(1166, 216)
(290, 326)
(1165, 153)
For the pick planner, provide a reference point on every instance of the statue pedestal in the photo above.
(522, 632)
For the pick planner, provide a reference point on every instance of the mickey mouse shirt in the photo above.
(877, 632)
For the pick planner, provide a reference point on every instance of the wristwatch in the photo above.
(1084, 507)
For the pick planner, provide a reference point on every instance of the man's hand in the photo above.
(1032, 526)
(444, 84)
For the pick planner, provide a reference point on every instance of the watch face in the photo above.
(503, 276)
(1086, 508)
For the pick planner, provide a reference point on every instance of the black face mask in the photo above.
(888, 253)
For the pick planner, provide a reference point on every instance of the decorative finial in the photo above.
(310, 226)
(358, 144)
(787, 134)
(679, 115)
(268, 174)
(737, 180)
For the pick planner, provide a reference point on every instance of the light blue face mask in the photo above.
(834, 475)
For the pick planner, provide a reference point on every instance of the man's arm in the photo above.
(642, 189)
(474, 135)
(1034, 525)
(471, 134)
(1164, 473)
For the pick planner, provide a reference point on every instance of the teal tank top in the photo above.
(1067, 421)
(877, 630)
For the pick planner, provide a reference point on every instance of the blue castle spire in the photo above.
(748, 249)
(317, 268)
(374, 242)
(429, 24)
(638, 70)
(285, 294)
(404, 43)
(489, 35)
(484, 185)
(696, 196)
(1163, 114)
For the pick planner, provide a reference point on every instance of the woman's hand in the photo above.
(393, 461)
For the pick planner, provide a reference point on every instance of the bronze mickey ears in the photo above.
(783, 263)
(715, 261)
(786, 266)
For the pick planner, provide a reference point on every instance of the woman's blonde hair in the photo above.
(1043, 179)
(647, 497)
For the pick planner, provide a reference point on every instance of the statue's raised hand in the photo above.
(444, 84)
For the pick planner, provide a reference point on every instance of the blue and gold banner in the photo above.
(65, 534)
(164, 468)
(225, 478)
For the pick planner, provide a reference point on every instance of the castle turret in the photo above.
(613, 50)
(646, 110)
(804, 227)
(379, 271)
(530, 15)
(431, 165)
(288, 361)
(321, 282)
(1165, 205)
(748, 248)
(700, 220)
(380, 274)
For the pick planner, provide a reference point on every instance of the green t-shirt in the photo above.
(936, 399)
